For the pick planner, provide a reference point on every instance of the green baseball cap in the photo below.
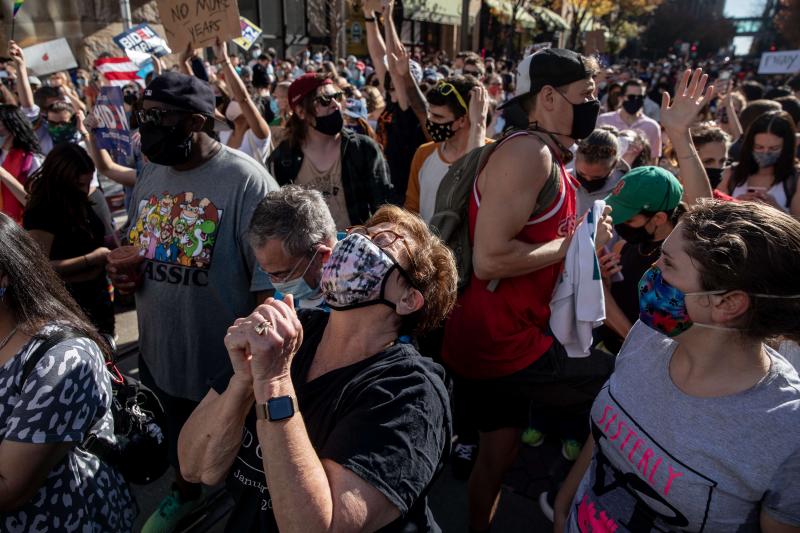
(644, 189)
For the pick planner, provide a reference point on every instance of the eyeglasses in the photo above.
(384, 239)
(634, 97)
(446, 89)
(326, 99)
(155, 116)
(288, 275)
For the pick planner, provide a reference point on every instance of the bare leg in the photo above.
(496, 454)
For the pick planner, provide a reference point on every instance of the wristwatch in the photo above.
(278, 408)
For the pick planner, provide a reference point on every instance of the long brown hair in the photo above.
(297, 127)
(780, 124)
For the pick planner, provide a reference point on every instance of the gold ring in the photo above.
(263, 327)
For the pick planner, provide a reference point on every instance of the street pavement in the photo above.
(518, 510)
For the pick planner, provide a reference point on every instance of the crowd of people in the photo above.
(350, 272)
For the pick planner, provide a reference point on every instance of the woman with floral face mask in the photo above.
(698, 429)
(350, 423)
(767, 168)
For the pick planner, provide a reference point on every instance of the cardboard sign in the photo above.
(250, 33)
(199, 22)
(786, 62)
(48, 57)
(113, 133)
(142, 40)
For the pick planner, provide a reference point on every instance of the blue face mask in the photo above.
(273, 105)
(298, 287)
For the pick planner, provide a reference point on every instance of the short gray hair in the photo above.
(298, 217)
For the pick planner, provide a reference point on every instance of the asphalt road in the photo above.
(518, 510)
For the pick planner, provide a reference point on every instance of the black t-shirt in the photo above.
(402, 134)
(69, 238)
(635, 259)
(386, 419)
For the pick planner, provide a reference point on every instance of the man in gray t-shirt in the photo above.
(189, 214)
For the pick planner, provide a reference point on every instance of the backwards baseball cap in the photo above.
(551, 66)
(651, 189)
(305, 85)
(182, 91)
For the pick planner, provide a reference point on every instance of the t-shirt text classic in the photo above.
(192, 226)
(667, 461)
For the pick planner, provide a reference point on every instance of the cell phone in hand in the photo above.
(725, 75)
(756, 189)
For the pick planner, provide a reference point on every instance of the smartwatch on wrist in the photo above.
(278, 408)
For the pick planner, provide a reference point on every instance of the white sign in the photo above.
(51, 56)
(787, 62)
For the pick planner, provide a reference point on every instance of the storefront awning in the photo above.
(504, 10)
(437, 11)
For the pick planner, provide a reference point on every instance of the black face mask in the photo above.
(633, 235)
(591, 185)
(130, 98)
(330, 124)
(584, 118)
(440, 132)
(633, 105)
(714, 176)
(166, 146)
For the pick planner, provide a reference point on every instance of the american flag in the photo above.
(119, 71)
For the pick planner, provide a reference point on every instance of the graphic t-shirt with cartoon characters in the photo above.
(199, 274)
(667, 461)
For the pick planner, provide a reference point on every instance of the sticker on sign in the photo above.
(199, 22)
(786, 62)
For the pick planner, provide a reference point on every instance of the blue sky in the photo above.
(743, 8)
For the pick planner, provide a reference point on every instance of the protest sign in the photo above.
(786, 62)
(48, 57)
(250, 33)
(112, 133)
(140, 42)
(199, 22)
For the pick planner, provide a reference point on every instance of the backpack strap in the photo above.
(43, 348)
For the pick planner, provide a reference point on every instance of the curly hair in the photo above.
(754, 248)
(20, 128)
(708, 132)
(432, 269)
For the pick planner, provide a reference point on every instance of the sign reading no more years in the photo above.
(199, 22)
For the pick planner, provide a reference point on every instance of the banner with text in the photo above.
(140, 42)
(786, 62)
(112, 133)
(199, 22)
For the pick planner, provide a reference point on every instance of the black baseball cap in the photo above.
(182, 91)
(551, 66)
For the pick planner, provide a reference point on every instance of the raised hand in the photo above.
(16, 55)
(478, 106)
(221, 51)
(691, 95)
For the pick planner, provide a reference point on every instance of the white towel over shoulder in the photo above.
(578, 304)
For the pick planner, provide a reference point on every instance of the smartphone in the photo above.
(756, 189)
(725, 75)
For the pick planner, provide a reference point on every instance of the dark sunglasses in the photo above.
(634, 97)
(327, 99)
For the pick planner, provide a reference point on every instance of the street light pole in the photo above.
(125, 8)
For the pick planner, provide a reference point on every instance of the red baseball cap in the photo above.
(304, 85)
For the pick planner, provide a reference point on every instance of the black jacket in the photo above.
(365, 176)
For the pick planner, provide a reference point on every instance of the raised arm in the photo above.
(375, 44)
(24, 90)
(255, 120)
(105, 165)
(478, 109)
(13, 184)
(690, 97)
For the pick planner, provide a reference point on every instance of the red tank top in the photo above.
(18, 164)
(493, 334)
